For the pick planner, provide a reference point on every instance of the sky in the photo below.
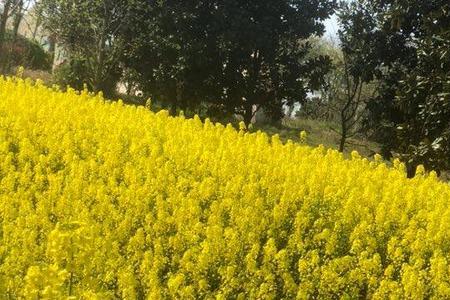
(331, 27)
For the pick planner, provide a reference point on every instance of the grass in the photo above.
(319, 133)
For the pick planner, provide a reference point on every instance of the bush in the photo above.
(26, 53)
(71, 73)
(104, 200)
(75, 73)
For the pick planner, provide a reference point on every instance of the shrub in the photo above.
(71, 73)
(26, 53)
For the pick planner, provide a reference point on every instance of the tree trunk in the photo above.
(178, 98)
(291, 110)
(18, 16)
(173, 108)
(52, 49)
(3, 20)
(248, 114)
(343, 133)
(342, 143)
(17, 20)
(36, 27)
(98, 80)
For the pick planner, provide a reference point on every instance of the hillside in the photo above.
(103, 201)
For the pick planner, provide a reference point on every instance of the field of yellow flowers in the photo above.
(104, 201)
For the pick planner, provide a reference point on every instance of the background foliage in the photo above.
(404, 45)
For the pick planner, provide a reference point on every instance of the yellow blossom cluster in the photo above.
(99, 200)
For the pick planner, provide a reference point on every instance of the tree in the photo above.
(394, 34)
(91, 32)
(174, 52)
(12, 14)
(385, 55)
(266, 60)
(343, 92)
(7, 9)
(21, 8)
(235, 56)
(351, 96)
(32, 28)
(33, 22)
(424, 94)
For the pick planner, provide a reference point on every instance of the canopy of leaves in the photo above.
(233, 55)
(424, 95)
(92, 32)
(404, 44)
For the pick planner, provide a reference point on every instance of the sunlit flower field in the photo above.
(99, 200)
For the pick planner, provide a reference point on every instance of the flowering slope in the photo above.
(103, 201)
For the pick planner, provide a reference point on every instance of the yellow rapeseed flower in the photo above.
(99, 200)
